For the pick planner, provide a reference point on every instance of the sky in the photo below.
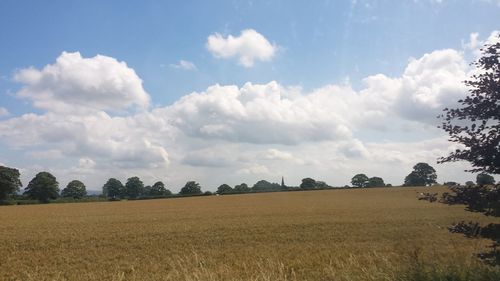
(234, 91)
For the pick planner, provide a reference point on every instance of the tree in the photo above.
(9, 182)
(484, 179)
(375, 182)
(191, 188)
(158, 189)
(224, 189)
(476, 125)
(133, 187)
(422, 175)
(242, 188)
(469, 183)
(264, 185)
(308, 183)
(42, 187)
(113, 189)
(74, 189)
(359, 180)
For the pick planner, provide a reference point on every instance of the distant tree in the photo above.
(388, 185)
(375, 182)
(484, 179)
(224, 189)
(422, 175)
(242, 188)
(308, 183)
(145, 191)
(360, 180)
(264, 185)
(9, 182)
(191, 188)
(321, 184)
(74, 189)
(133, 187)
(42, 187)
(469, 183)
(113, 189)
(158, 189)
(476, 125)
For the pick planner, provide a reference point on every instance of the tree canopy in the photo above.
(359, 180)
(9, 182)
(241, 188)
(113, 188)
(43, 187)
(308, 183)
(224, 189)
(134, 187)
(375, 182)
(422, 175)
(75, 189)
(483, 179)
(191, 188)
(476, 125)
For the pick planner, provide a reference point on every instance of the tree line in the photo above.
(44, 186)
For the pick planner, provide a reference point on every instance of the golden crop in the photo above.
(369, 234)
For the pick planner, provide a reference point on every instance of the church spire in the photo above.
(282, 182)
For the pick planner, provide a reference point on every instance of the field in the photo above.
(372, 234)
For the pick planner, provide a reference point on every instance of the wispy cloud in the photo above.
(184, 65)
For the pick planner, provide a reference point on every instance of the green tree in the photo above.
(9, 182)
(422, 175)
(113, 189)
(191, 188)
(74, 189)
(476, 125)
(375, 182)
(360, 180)
(308, 183)
(133, 187)
(224, 189)
(484, 179)
(42, 187)
(158, 189)
(264, 185)
(242, 188)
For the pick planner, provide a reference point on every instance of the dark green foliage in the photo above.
(191, 188)
(359, 180)
(9, 182)
(483, 179)
(113, 189)
(75, 189)
(264, 185)
(422, 175)
(43, 187)
(375, 182)
(158, 189)
(134, 187)
(241, 188)
(224, 189)
(483, 199)
(469, 183)
(476, 125)
(308, 183)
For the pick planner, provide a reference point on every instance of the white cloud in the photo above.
(249, 47)
(185, 65)
(76, 84)
(242, 133)
(4, 112)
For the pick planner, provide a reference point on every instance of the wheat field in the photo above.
(370, 234)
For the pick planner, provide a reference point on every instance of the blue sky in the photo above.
(315, 44)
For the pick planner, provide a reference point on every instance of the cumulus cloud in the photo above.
(184, 65)
(249, 47)
(252, 131)
(76, 84)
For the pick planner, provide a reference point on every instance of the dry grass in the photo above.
(374, 234)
